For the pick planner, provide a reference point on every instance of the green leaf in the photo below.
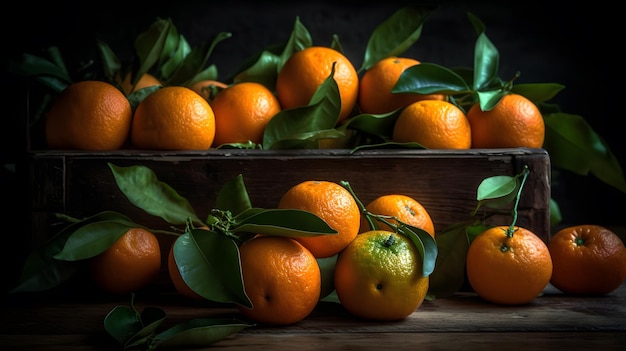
(395, 35)
(263, 71)
(92, 239)
(538, 92)
(209, 264)
(209, 73)
(496, 187)
(144, 190)
(299, 39)
(151, 318)
(298, 123)
(131, 328)
(40, 70)
(194, 61)
(489, 99)
(574, 146)
(42, 272)
(486, 62)
(283, 222)
(110, 63)
(430, 78)
(380, 125)
(425, 244)
(122, 323)
(155, 45)
(449, 274)
(199, 332)
(233, 196)
(182, 59)
(327, 270)
(555, 213)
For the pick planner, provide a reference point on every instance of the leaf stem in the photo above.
(524, 175)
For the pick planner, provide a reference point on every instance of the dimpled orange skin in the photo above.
(89, 115)
(508, 270)
(405, 208)
(332, 203)
(173, 118)
(434, 124)
(375, 87)
(242, 111)
(514, 122)
(281, 278)
(307, 69)
(377, 282)
(588, 260)
(130, 264)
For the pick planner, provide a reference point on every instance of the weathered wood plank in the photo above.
(553, 312)
(81, 184)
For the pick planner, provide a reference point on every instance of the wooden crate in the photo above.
(80, 184)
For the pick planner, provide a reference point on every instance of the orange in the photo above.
(379, 276)
(173, 118)
(514, 122)
(375, 87)
(508, 267)
(434, 124)
(242, 111)
(281, 278)
(208, 88)
(146, 80)
(177, 279)
(332, 203)
(130, 264)
(305, 70)
(402, 207)
(88, 115)
(588, 260)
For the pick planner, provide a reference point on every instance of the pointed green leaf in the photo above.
(110, 63)
(199, 332)
(144, 190)
(299, 39)
(263, 71)
(425, 244)
(538, 92)
(151, 319)
(573, 145)
(430, 78)
(283, 222)
(209, 264)
(233, 196)
(181, 59)
(489, 99)
(449, 274)
(496, 187)
(322, 113)
(486, 62)
(375, 124)
(92, 239)
(42, 272)
(122, 323)
(395, 35)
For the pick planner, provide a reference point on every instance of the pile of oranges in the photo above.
(378, 272)
(96, 115)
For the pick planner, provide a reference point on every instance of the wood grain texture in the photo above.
(553, 321)
(80, 184)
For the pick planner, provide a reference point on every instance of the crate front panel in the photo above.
(81, 184)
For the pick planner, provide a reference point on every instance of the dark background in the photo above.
(569, 44)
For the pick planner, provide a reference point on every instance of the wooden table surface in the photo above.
(553, 321)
